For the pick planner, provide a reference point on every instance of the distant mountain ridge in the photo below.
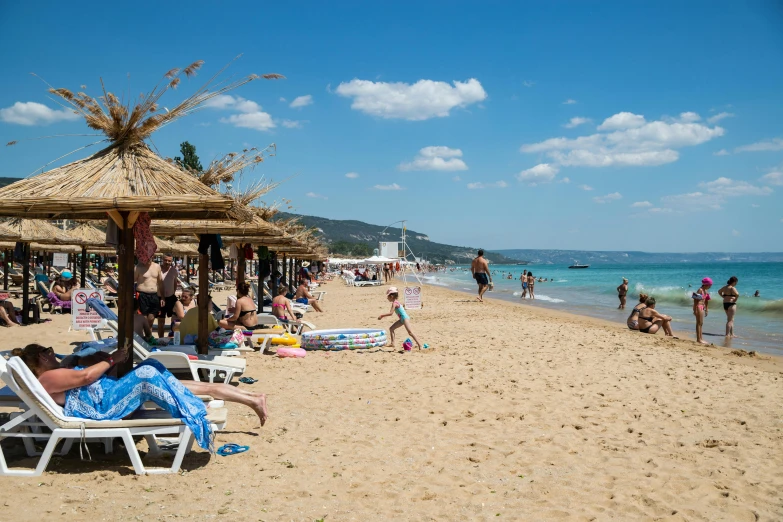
(354, 231)
(586, 257)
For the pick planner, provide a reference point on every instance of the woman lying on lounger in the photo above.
(85, 391)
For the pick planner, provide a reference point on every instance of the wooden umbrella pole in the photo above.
(187, 269)
(26, 283)
(241, 264)
(203, 304)
(99, 262)
(84, 267)
(5, 269)
(125, 260)
(284, 279)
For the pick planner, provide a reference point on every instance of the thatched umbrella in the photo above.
(126, 177)
(28, 231)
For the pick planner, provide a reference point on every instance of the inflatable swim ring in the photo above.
(286, 340)
(347, 339)
(290, 352)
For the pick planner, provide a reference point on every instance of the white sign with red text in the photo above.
(81, 318)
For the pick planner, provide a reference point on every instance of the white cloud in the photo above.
(422, 100)
(32, 113)
(250, 114)
(632, 141)
(565, 180)
(642, 204)
(528, 83)
(754, 205)
(622, 120)
(576, 121)
(609, 197)
(302, 101)
(729, 188)
(283, 99)
(569, 101)
(291, 124)
(762, 146)
(773, 178)
(719, 116)
(480, 185)
(436, 158)
(260, 121)
(735, 232)
(586, 187)
(456, 178)
(352, 175)
(393, 186)
(721, 152)
(541, 173)
(316, 196)
(687, 117)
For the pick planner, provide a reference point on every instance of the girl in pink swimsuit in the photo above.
(701, 301)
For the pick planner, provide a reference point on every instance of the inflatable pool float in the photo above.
(347, 339)
(285, 340)
(290, 352)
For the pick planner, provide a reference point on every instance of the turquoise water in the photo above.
(592, 291)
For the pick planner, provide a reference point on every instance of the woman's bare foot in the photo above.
(704, 342)
(260, 409)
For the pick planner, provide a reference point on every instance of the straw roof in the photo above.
(85, 234)
(32, 230)
(38, 247)
(255, 227)
(127, 175)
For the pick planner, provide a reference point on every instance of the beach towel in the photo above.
(113, 399)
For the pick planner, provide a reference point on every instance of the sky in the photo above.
(654, 126)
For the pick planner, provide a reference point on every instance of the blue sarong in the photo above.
(109, 398)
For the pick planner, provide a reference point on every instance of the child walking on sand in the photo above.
(392, 294)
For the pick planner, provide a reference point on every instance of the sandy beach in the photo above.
(515, 413)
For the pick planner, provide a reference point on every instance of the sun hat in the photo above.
(392, 290)
(706, 281)
(66, 274)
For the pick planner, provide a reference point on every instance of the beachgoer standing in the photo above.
(730, 295)
(403, 320)
(622, 291)
(531, 285)
(480, 270)
(149, 284)
(523, 278)
(701, 301)
(169, 275)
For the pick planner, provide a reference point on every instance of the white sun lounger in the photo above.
(43, 411)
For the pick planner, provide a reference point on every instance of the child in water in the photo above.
(392, 294)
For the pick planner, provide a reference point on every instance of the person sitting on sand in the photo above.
(86, 392)
(281, 304)
(633, 319)
(7, 314)
(730, 295)
(244, 311)
(303, 296)
(651, 320)
(140, 324)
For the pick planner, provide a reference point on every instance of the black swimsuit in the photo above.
(245, 312)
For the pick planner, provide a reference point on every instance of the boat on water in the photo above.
(577, 265)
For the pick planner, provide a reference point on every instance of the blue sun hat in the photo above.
(66, 274)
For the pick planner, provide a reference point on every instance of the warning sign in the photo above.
(81, 318)
(412, 298)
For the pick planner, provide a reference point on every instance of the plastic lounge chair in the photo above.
(108, 299)
(43, 410)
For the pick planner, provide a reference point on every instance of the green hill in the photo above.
(8, 181)
(357, 238)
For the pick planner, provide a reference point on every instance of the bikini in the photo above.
(634, 324)
(726, 305)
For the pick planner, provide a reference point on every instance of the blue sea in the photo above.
(758, 322)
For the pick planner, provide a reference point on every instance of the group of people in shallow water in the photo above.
(646, 319)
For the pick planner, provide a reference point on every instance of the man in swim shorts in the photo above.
(480, 270)
(149, 285)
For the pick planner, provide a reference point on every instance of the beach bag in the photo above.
(226, 339)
